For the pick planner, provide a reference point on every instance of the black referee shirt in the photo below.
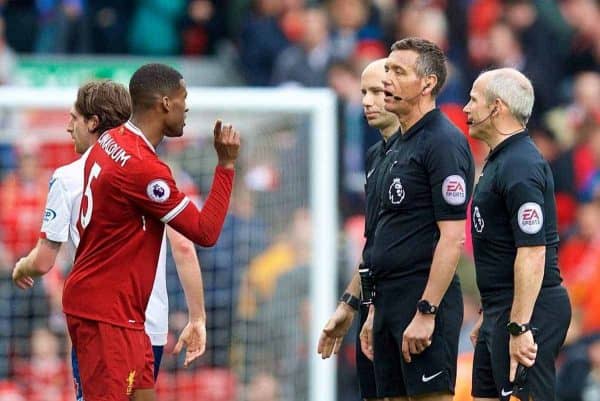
(513, 206)
(375, 156)
(425, 176)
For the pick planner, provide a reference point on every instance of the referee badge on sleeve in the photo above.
(454, 190)
(530, 218)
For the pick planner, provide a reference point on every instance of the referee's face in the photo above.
(402, 84)
(373, 96)
(478, 111)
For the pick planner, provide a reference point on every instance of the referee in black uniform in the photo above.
(337, 327)
(526, 311)
(424, 183)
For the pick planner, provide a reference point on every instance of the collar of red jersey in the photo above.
(131, 127)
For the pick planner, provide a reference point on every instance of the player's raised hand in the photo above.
(193, 337)
(227, 144)
(21, 280)
(335, 330)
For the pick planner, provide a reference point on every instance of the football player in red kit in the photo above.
(129, 195)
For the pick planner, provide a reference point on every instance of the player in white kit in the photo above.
(100, 106)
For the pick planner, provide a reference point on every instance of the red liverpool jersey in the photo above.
(129, 195)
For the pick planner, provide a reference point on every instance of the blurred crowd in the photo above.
(256, 275)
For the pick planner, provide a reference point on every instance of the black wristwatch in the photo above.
(516, 329)
(350, 300)
(426, 308)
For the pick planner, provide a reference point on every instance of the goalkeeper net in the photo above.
(269, 282)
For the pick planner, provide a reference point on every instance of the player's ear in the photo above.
(93, 123)
(166, 103)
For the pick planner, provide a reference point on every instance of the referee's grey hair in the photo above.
(514, 89)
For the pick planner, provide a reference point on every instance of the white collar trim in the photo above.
(131, 126)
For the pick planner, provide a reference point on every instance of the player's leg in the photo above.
(364, 366)
(433, 397)
(114, 362)
(147, 394)
(483, 386)
(386, 351)
(551, 318)
(432, 373)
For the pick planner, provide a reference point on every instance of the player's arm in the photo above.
(336, 328)
(54, 231)
(204, 227)
(38, 262)
(193, 336)
(153, 189)
(451, 173)
(445, 259)
(523, 193)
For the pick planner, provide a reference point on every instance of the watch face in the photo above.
(514, 328)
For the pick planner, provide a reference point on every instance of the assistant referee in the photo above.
(515, 243)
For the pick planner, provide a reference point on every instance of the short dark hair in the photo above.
(150, 82)
(431, 59)
(107, 100)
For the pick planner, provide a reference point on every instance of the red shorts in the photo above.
(113, 361)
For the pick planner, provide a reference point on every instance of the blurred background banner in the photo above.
(281, 263)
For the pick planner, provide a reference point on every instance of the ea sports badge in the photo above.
(158, 191)
(530, 218)
(454, 190)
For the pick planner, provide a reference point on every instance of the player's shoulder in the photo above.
(70, 175)
(372, 151)
(444, 136)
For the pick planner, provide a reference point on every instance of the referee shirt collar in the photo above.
(505, 143)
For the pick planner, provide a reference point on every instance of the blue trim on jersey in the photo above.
(76, 378)
(157, 350)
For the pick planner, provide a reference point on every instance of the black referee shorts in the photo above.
(491, 363)
(364, 366)
(432, 371)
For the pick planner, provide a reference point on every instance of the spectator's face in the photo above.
(177, 109)
(402, 84)
(478, 111)
(503, 46)
(588, 218)
(315, 28)
(586, 91)
(373, 97)
(349, 14)
(80, 130)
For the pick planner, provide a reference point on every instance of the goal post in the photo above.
(318, 108)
